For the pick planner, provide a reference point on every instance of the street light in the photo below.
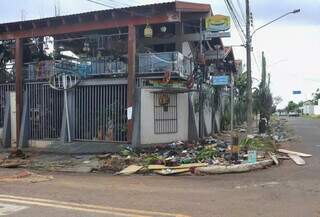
(272, 21)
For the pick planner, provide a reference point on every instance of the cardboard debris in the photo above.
(294, 152)
(130, 170)
(297, 159)
(168, 171)
(182, 166)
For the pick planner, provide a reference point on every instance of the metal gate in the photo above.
(45, 111)
(100, 112)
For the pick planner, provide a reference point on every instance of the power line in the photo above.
(241, 10)
(236, 22)
(123, 9)
(125, 4)
(242, 21)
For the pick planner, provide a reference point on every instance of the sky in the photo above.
(291, 44)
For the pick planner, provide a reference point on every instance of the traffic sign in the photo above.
(220, 80)
(296, 92)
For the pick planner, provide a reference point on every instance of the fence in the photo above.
(45, 111)
(100, 112)
(4, 89)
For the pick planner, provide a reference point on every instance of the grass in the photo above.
(312, 117)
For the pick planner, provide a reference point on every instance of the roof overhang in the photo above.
(104, 19)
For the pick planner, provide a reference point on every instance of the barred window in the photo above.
(165, 113)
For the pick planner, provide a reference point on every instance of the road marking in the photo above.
(70, 207)
(84, 207)
(8, 209)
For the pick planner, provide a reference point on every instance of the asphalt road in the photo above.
(286, 191)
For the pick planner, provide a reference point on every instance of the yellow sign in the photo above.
(218, 23)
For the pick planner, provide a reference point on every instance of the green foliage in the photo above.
(293, 107)
(258, 144)
(151, 159)
(240, 98)
(206, 153)
(316, 96)
(262, 97)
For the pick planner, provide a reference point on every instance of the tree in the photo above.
(277, 100)
(316, 96)
(262, 97)
(293, 107)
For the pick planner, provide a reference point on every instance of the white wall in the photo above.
(317, 109)
(308, 109)
(147, 119)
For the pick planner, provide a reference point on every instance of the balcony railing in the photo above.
(149, 63)
(155, 63)
(86, 67)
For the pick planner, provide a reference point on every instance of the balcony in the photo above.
(158, 63)
(86, 67)
(149, 64)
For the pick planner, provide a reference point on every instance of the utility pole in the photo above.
(249, 76)
(201, 78)
(231, 101)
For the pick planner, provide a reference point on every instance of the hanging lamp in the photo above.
(148, 32)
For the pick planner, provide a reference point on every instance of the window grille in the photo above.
(165, 113)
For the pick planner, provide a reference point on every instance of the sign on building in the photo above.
(220, 80)
(208, 35)
(218, 23)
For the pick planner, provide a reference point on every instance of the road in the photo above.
(286, 191)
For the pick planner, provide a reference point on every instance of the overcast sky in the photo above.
(291, 45)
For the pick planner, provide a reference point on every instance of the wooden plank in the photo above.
(274, 158)
(183, 166)
(166, 172)
(297, 159)
(238, 168)
(294, 152)
(130, 170)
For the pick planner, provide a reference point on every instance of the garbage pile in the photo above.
(179, 157)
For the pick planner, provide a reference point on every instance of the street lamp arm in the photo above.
(286, 14)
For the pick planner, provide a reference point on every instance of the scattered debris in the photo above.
(26, 176)
(274, 158)
(13, 163)
(168, 171)
(132, 169)
(294, 152)
(20, 175)
(240, 168)
(183, 166)
(297, 159)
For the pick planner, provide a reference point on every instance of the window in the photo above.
(165, 113)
